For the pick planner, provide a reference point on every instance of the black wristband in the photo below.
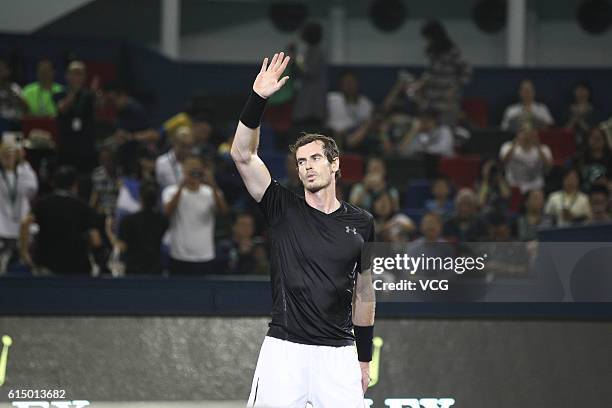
(253, 111)
(363, 341)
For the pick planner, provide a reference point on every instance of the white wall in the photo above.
(550, 43)
(24, 16)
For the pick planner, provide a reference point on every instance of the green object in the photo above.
(375, 364)
(6, 343)
(40, 101)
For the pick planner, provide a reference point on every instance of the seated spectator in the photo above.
(430, 243)
(40, 95)
(141, 233)
(428, 136)
(430, 229)
(503, 256)
(569, 206)
(498, 227)
(191, 207)
(440, 204)
(465, 225)
(347, 108)
(581, 113)
(168, 168)
(527, 110)
(526, 160)
(196, 117)
(243, 253)
(374, 182)
(599, 198)
(533, 217)
(18, 184)
(66, 230)
(493, 190)
(595, 161)
(75, 121)
(12, 104)
(390, 224)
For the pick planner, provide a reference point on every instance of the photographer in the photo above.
(493, 191)
(191, 207)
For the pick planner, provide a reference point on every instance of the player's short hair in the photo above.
(330, 148)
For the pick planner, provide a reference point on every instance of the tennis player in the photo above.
(322, 299)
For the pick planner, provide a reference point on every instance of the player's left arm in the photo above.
(364, 305)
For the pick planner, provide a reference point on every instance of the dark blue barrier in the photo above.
(230, 297)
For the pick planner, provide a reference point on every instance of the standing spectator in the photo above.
(141, 233)
(533, 217)
(527, 110)
(465, 225)
(599, 198)
(595, 160)
(442, 83)
(40, 95)
(440, 204)
(168, 168)
(197, 117)
(526, 160)
(75, 120)
(581, 113)
(493, 190)
(569, 205)
(12, 104)
(374, 182)
(191, 207)
(244, 253)
(347, 108)
(390, 224)
(18, 185)
(66, 229)
(105, 183)
(310, 107)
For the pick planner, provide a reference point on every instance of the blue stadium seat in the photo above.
(417, 191)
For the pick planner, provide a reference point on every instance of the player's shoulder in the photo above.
(358, 213)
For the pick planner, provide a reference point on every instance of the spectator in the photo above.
(441, 84)
(595, 161)
(525, 160)
(440, 204)
(465, 225)
(12, 104)
(569, 205)
(140, 234)
(430, 244)
(66, 230)
(40, 95)
(429, 136)
(527, 110)
(105, 183)
(503, 256)
(368, 137)
(168, 168)
(142, 170)
(196, 117)
(191, 207)
(374, 182)
(498, 227)
(493, 190)
(533, 217)
(347, 108)
(18, 185)
(310, 107)
(75, 121)
(431, 229)
(390, 224)
(243, 253)
(581, 113)
(599, 198)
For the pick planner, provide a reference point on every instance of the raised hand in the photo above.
(267, 81)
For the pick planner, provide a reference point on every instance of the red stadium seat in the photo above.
(477, 111)
(562, 144)
(351, 166)
(462, 170)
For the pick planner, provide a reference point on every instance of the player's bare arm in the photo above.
(252, 169)
(364, 304)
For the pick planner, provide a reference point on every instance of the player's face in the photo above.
(315, 171)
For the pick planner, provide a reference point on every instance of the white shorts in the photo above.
(290, 375)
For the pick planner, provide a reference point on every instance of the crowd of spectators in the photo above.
(132, 197)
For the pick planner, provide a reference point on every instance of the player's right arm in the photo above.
(252, 169)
